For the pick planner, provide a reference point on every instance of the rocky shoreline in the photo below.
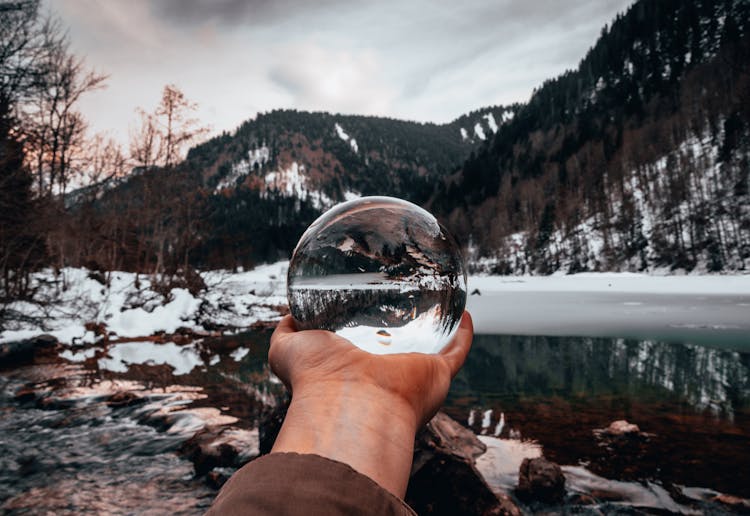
(211, 425)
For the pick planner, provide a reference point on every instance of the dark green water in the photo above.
(693, 400)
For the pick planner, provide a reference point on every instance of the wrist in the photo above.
(360, 424)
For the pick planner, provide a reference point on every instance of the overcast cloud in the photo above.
(419, 60)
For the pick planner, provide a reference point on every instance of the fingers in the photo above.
(455, 353)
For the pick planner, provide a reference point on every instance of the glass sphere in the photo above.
(382, 273)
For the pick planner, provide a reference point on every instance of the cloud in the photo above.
(331, 79)
(234, 12)
(426, 60)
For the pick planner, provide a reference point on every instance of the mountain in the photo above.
(276, 173)
(638, 159)
(327, 158)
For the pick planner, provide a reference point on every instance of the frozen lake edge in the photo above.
(708, 310)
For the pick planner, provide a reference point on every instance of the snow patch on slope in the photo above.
(292, 182)
(344, 136)
(259, 157)
(479, 131)
(491, 122)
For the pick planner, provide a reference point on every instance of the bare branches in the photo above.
(164, 134)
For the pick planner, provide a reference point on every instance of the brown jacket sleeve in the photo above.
(295, 484)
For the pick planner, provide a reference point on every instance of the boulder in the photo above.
(228, 447)
(624, 452)
(444, 479)
(540, 480)
(621, 427)
(24, 352)
(124, 399)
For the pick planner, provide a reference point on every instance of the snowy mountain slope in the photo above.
(638, 159)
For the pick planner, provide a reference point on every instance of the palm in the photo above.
(314, 356)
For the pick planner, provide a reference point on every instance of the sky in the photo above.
(410, 59)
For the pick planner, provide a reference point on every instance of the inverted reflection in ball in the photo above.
(380, 272)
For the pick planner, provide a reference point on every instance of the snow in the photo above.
(292, 182)
(499, 465)
(236, 300)
(491, 122)
(479, 131)
(239, 353)
(344, 136)
(340, 131)
(138, 322)
(486, 420)
(464, 134)
(79, 356)
(351, 196)
(712, 308)
(181, 358)
(622, 282)
(707, 310)
(259, 156)
(705, 187)
(289, 181)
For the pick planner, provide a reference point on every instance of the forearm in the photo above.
(357, 424)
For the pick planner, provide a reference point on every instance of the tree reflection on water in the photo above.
(693, 400)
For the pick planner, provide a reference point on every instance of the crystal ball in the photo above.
(382, 273)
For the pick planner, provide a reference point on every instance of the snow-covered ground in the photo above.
(131, 308)
(706, 309)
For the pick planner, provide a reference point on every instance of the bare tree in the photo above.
(164, 134)
(178, 128)
(55, 129)
(146, 146)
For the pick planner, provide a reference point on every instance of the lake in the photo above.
(694, 401)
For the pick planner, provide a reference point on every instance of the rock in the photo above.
(540, 480)
(228, 447)
(25, 351)
(476, 292)
(622, 427)
(217, 477)
(444, 479)
(624, 452)
(99, 329)
(98, 277)
(444, 435)
(734, 502)
(124, 399)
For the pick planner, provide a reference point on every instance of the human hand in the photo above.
(356, 407)
(315, 360)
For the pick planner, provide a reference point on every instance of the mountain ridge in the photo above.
(636, 160)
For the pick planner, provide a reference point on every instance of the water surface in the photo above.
(692, 400)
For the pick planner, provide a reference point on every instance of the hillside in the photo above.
(636, 160)
(276, 173)
(329, 158)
